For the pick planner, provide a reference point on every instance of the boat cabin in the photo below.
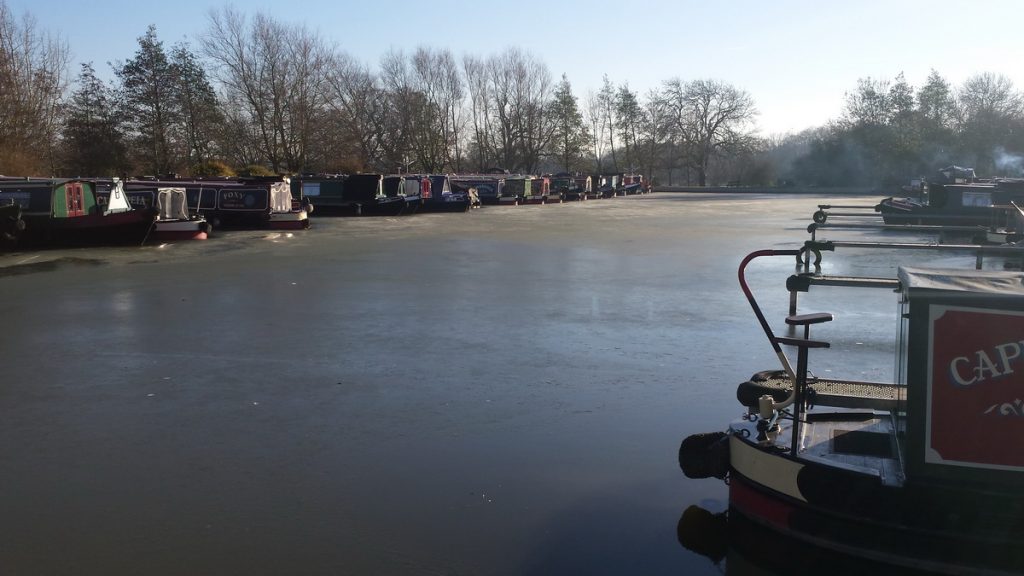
(489, 188)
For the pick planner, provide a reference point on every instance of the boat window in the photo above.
(310, 188)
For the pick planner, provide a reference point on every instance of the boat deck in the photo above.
(859, 441)
(847, 393)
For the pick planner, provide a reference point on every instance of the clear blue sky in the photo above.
(796, 58)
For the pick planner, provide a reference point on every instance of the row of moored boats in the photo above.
(78, 211)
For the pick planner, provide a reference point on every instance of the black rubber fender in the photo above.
(705, 455)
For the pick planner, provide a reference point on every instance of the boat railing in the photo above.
(814, 248)
(803, 389)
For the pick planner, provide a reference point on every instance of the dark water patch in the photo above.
(48, 266)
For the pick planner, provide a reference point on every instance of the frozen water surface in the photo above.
(500, 392)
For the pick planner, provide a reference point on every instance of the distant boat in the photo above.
(59, 211)
(954, 197)
(490, 188)
(443, 198)
(348, 195)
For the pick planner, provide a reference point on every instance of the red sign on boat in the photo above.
(975, 388)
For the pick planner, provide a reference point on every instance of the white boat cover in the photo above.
(118, 201)
(172, 204)
(992, 282)
(281, 196)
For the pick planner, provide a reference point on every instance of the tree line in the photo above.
(260, 96)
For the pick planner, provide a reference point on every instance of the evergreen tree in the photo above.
(93, 142)
(570, 133)
(630, 117)
(148, 95)
(200, 116)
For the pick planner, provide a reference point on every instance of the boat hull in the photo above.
(927, 527)
(179, 230)
(295, 220)
(131, 227)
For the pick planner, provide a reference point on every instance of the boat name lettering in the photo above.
(983, 367)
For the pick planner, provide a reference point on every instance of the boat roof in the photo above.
(994, 282)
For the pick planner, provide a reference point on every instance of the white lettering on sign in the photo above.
(985, 365)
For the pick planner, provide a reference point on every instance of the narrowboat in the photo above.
(443, 198)
(327, 191)
(542, 187)
(923, 472)
(584, 186)
(633, 184)
(366, 193)
(237, 203)
(405, 188)
(612, 185)
(518, 190)
(58, 211)
(489, 189)
(418, 191)
(971, 204)
(173, 220)
(599, 187)
(286, 212)
(567, 187)
(953, 196)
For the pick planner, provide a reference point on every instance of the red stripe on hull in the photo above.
(759, 505)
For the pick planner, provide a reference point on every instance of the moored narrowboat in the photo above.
(404, 188)
(264, 202)
(366, 193)
(922, 472)
(542, 187)
(444, 199)
(58, 211)
(519, 190)
(567, 187)
(599, 188)
(173, 221)
(325, 191)
(489, 188)
(971, 204)
(612, 185)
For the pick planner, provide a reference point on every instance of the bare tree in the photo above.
(654, 130)
(361, 108)
(479, 90)
(279, 72)
(437, 75)
(606, 105)
(990, 108)
(33, 77)
(629, 118)
(509, 95)
(710, 118)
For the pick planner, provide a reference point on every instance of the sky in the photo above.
(797, 59)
